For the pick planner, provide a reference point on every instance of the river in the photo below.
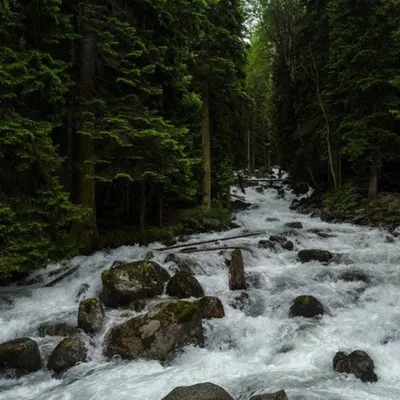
(253, 350)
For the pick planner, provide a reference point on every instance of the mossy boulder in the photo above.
(183, 285)
(56, 329)
(69, 352)
(237, 279)
(281, 395)
(306, 306)
(168, 327)
(22, 354)
(323, 256)
(358, 363)
(90, 315)
(211, 307)
(132, 281)
(201, 391)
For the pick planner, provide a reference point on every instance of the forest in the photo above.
(116, 114)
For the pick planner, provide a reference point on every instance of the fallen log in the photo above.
(61, 277)
(212, 240)
(189, 251)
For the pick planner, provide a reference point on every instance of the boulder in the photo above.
(294, 225)
(314, 254)
(277, 238)
(90, 315)
(358, 363)
(281, 395)
(239, 205)
(201, 391)
(211, 307)
(184, 284)
(300, 189)
(211, 224)
(237, 280)
(306, 306)
(20, 354)
(69, 352)
(354, 276)
(56, 329)
(266, 244)
(169, 326)
(326, 215)
(287, 245)
(132, 281)
(259, 189)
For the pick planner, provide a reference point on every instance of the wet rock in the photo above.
(211, 224)
(295, 204)
(237, 280)
(326, 215)
(396, 231)
(278, 239)
(266, 244)
(82, 291)
(259, 189)
(294, 225)
(149, 255)
(354, 276)
(281, 395)
(281, 193)
(272, 219)
(136, 280)
(184, 284)
(306, 306)
(234, 225)
(300, 189)
(211, 307)
(169, 326)
(241, 301)
(22, 354)
(201, 391)
(287, 245)
(69, 352)
(56, 329)
(321, 234)
(358, 363)
(239, 205)
(314, 254)
(389, 239)
(90, 315)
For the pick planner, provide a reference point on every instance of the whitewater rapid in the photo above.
(250, 351)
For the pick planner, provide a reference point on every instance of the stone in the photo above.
(294, 225)
(201, 391)
(358, 363)
(306, 306)
(272, 219)
(266, 244)
(211, 224)
(20, 354)
(184, 284)
(354, 276)
(69, 352)
(168, 327)
(281, 395)
(56, 329)
(259, 189)
(277, 238)
(300, 189)
(287, 245)
(211, 307)
(91, 315)
(239, 205)
(237, 279)
(82, 291)
(128, 282)
(326, 215)
(314, 255)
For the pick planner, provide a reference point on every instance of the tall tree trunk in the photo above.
(373, 183)
(86, 233)
(206, 147)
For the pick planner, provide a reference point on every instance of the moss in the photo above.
(183, 310)
(105, 275)
(304, 300)
(148, 341)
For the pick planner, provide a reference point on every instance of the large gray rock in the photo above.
(201, 391)
(306, 306)
(69, 352)
(183, 285)
(281, 395)
(211, 307)
(315, 254)
(129, 282)
(56, 329)
(167, 327)
(358, 363)
(237, 279)
(90, 315)
(22, 354)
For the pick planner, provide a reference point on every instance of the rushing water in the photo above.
(254, 350)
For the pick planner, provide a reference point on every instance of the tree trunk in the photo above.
(373, 183)
(86, 233)
(206, 148)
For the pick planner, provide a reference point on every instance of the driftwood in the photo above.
(188, 251)
(212, 241)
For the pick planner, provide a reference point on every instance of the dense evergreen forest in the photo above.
(114, 114)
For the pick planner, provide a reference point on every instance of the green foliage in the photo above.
(343, 200)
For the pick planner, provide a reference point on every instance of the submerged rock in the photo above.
(237, 279)
(315, 254)
(294, 225)
(56, 329)
(306, 306)
(358, 363)
(21, 354)
(266, 244)
(69, 352)
(201, 391)
(183, 285)
(281, 395)
(287, 245)
(168, 327)
(90, 315)
(211, 307)
(241, 301)
(132, 281)
(354, 276)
